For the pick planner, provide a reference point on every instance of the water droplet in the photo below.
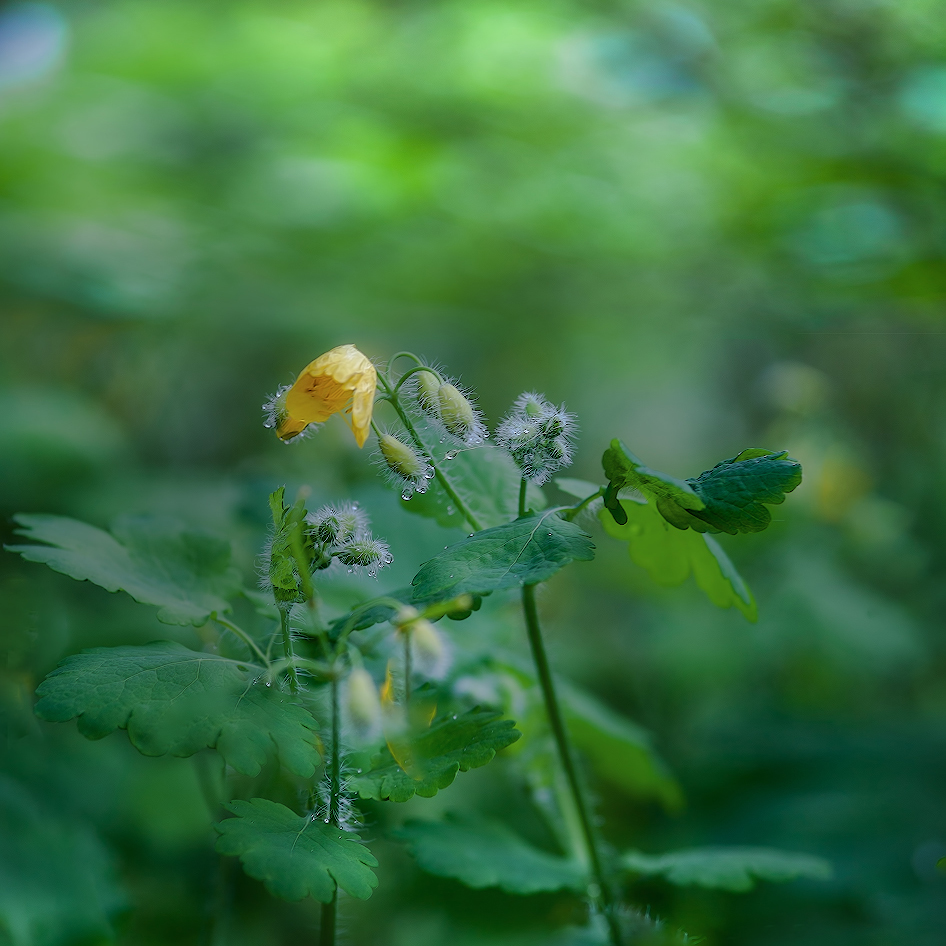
(454, 715)
(358, 771)
(406, 495)
(451, 455)
(351, 571)
(450, 510)
(326, 820)
(470, 536)
(422, 488)
(550, 535)
(429, 474)
(451, 576)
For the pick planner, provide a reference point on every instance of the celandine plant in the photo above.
(361, 706)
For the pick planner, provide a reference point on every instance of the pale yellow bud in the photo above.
(456, 411)
(401, 458)
(362, 704)
(428, 649)
(428, 384)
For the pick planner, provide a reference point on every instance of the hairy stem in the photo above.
(287, 647)
(523, 486)
(461, 506)
(573, 511)
(603, 896)
(243, 635)
(330, 909)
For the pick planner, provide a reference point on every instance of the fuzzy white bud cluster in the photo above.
(539, 435)
(341, 532)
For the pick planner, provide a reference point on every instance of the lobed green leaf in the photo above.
(176, 701)
(671, 555)
(526, 551)
(727, 868)
(731, 497)
(185, 572)
(483, 853)
(296, 856)
(431, 760)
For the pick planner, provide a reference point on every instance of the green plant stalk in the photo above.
(604, 897)
(287, 647)
(461, 506)
(330, 909)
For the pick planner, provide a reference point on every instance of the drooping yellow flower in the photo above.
(342, 381)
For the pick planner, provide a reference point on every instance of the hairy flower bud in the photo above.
(366, 553)
(337, 524)
(428, 385)
(459, 416)
(406, 467)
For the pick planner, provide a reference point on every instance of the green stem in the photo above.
(287, 647)
(330, 909)
(604, 896)
(413, 371)
(573, 511)
(243, 635)
(523, 485)
(441, 478)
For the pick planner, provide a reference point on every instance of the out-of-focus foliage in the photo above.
(699, 225)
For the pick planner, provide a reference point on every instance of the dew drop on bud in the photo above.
(421, 489)
(406, 495)
(451, 455)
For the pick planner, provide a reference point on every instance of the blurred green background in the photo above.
(704, 226)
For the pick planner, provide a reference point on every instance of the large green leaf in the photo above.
(177, 701)
(483, 853)
(671, 555)
(57, 883)
(187, 573)
(431, 760)
(296, 856)
(731, 497)
(727, 868)
(526, 551)
(618, 749)
(485, 478)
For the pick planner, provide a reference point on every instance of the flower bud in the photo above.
(362, 704)
(459, 416)
(428, 649)
(427, 386)
(366, 553)
(406, 468)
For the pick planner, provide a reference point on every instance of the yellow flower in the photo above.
(342, 381)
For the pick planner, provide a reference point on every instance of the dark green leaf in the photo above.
(526, 551)
(185, 572)
(482, 853)
(176, 701)
(485, 478)
(57, 883)
(296, 856)
(432, 759)
(670, 555)
(729, 498)
(619, 749)
(727, 868)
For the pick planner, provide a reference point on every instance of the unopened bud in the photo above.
(459, 416)
(407, 468)
(428, 385)
(362, 704)
(428, 649)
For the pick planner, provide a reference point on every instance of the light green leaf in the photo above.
(482, 853)
(618, 749)
(296, 856)
(526, 551)
(727, 868)
(731, 497)
(430, 762)
(177, 701)
(486, 478)
(670, 555)
(57, 883)
(187, 573)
